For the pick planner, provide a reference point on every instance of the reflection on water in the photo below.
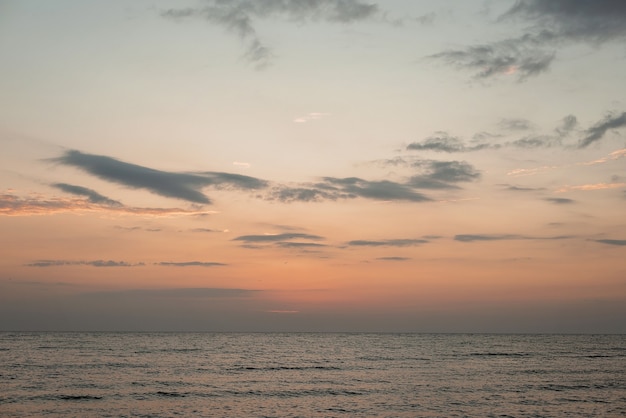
(222, 374)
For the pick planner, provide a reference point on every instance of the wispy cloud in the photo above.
(92, 195)
(299, 245)
(334, 188)
(590, 187)
(599, 130)
(277, 237)
(310, 116)
(12, 205)
(559, 200)
(404, 242)
(503, 237)
(240, 17)
(444, 142)
(615, 155)
(393, 258)
(551, 24)
(93, 263)
(618, 242)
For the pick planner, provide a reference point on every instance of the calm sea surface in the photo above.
(303, 375)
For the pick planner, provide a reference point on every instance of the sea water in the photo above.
(311, 375)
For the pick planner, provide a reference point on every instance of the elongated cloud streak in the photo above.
(184, 186)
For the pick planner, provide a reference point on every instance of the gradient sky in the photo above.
(313, 165)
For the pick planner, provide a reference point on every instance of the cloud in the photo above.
(184, 186)
(502, 237)
(393, 258)
(507, 57)
(190, 264)
(619, 242)
(590, 187)
(387, 243)
(444, 142)
(277, 237)
(551, 24)
(299, 245)
(310, 116)
(521, 189)
(94, 263)
(433, 175)
(334, 188)
(92, 195)
(568, 123)
(559, 200)
(443, 174)
(12, 205)
(597, 132)
(378, 190)
(206, 230)
(515, 124)
(615, 155)
(426, 19)
(240, 16)
(595, 21)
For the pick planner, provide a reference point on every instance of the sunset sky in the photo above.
(313, 165)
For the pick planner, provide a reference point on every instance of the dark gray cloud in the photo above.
(185, 186)
(393, 258)
(334, 188)
(444, 142)
(521, 189)
(594, 21)
(597, 132)
(308, 193)
(377, 190)
(485, 237)
(511, 56)
(503, 237)
(277, 237)
(93, 263)
(619, 242)
(551, 24)
(205, 230)
(387, 243)
(92, 195)
(240, 16)
(536, 141)
(433, 175)
(442, 174)
(299, 245)
(190, 264)
(560, 200)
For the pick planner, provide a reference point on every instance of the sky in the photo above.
(313, 165)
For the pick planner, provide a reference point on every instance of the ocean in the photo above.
(52, 374)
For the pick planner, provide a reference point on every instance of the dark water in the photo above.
(280, 375)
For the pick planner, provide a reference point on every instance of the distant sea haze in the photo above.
(311, 375)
